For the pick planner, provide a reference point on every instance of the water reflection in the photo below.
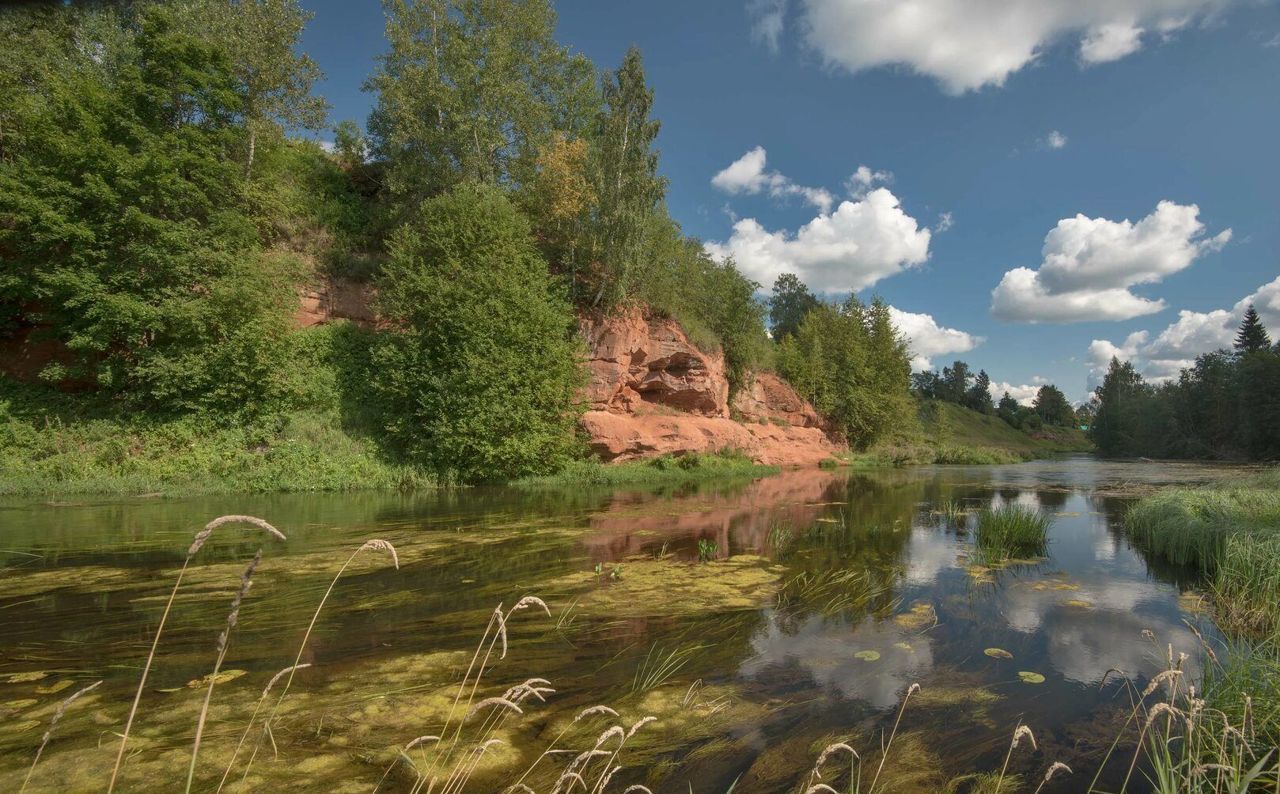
(833, 592)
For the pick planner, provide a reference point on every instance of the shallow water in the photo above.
(824, 597)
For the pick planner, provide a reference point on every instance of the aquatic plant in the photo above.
(707, 550)
(780, 538)
(659, 666)
(1012, 531)
(197, 543)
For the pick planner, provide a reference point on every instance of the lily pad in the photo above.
(22, 678)
(1029, 677)
(903, 646)
(1078, 603)
(55, 687)
(223, 677)
(998, 653)
(867, 656)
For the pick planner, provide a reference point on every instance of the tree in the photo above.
(1052, 406)
(926, 384)
(350, 145)
(1008, 409)
(275, 81)
(123, 221)
(790, 302)
(853, 366)
(478, 369)
(1122, 398)
(955, 383)
(472, 90)
(1252, 336)
(978, 396)
(625, 177)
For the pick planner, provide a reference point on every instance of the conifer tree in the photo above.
(1252, 336)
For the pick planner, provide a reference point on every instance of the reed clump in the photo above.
(1229, 535)
(1012, 531)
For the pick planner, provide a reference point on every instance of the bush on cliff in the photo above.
(478, 368)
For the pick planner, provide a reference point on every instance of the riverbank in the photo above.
(54, 444)
(1228, 536)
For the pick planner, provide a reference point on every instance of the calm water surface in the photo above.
(821, 597)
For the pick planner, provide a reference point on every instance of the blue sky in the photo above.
(1001, 119)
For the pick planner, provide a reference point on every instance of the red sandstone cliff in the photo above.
(653, 392)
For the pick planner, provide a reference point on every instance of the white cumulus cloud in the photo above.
(850, 248)
(1090, 264)
(1192, 334)
(969, 44)
(1055, 140)
(1025, 393)
(928, 339)
(748, 175)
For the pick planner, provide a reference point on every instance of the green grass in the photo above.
(1230, 535)
(1012, 531)
(955, 435)
(657, 471)
(302, 451)
(950, 426)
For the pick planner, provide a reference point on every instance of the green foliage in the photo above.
(1252, 337)
(260, 40)
(123, 219)
(1012, 531)
(477, 369)
(1231, 535)
(790, 302)
(851, 363)
(471, 90)
(1227, 405)
(1052, 407)
(658, 471)
(52, 443)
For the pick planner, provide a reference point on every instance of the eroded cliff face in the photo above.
(653, 392)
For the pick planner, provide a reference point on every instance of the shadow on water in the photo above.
(757, 621)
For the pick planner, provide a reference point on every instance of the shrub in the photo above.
(478, 368)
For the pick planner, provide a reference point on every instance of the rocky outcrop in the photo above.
(327, 300)
(635, 361)
(652, 392)
(768, 398)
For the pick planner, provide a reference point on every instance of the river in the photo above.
(757, 621)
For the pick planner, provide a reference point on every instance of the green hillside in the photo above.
(948, 424)
(951, 433)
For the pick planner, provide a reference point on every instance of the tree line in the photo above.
(1225, 406)
(159, 208)
(957, 384)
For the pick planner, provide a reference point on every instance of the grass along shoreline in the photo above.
(1230, 536)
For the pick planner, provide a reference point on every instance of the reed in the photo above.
(374, 544)
(53, 723)
(1012, 531)
(197, 543)
(246, 581)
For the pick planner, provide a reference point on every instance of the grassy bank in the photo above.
(658, 471)
(953, 434)
(53, 444)
(1229, 535)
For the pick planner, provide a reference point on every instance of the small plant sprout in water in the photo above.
(708, 550)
